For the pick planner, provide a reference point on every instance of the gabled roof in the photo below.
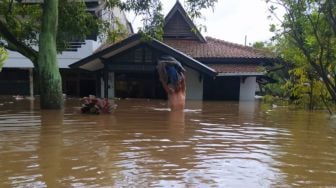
(96, 61)
(177, 24)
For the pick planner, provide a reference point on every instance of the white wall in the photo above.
(194, 85)
(248, 87)
(66, 58)
(16, 60)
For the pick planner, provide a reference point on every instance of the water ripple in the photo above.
(210, 145)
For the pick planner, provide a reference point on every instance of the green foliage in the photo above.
(194, 7)
(296, 80)
(75, 23)
(3, 56)
(306, 39)
(304, 89)
(259, 45)
(118, 33)
(153, 21)
(23, 22)
(277, 72)
(151, 13)
(148, 10)
(276, 89)
(20, 20)
(275, 100)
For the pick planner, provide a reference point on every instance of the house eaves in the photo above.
(96, 61)
(240, 74)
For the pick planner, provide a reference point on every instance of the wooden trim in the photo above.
(100, 54)
(238, 60)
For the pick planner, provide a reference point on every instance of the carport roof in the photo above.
(95, 61)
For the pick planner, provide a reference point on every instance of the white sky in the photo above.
(231, 20)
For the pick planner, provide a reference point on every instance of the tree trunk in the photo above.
(329, 86)
(49, 76)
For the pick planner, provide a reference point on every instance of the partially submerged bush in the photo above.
(94, 105)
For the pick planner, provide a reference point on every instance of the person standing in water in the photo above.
(172, 78)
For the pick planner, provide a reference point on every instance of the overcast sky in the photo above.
(231, 20)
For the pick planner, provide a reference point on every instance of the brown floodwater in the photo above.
(142, 144)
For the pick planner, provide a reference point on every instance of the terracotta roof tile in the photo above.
(215, 48)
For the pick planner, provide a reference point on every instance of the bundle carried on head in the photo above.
(170, 71)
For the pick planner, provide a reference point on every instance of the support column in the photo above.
(105, 84)
(248, 87)
(111, 86)
(102, 85)
(31, 83)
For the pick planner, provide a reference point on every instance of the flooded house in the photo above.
(17, 76)
(215, 69)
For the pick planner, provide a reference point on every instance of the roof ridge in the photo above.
(240, 46)
(231, 43)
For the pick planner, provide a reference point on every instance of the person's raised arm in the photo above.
(183, 87)
(166, 87)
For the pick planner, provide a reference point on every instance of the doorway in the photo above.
(87, 87)
(221, 88)
(139, 85)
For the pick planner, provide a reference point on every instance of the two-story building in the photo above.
(17, 76)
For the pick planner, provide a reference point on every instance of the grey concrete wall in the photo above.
(194, 85)
(247, 89)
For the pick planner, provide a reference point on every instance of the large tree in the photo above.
(297, 80)
(51, 24)
(310, 26)
(49, 75)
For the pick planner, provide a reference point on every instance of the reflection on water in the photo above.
(143, 144)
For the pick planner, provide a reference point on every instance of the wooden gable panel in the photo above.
(177, 27)
(141, 54)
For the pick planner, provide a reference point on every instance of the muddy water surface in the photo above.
(142, 144)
